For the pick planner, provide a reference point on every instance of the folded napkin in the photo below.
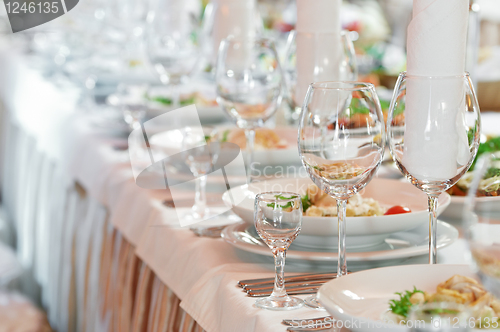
(435, 136)
(318, 44)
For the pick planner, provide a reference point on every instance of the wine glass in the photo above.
(171, 43)
(278, 220)
(249, 81)
(201, 149)
(131, 98)
(341, 145)
(482, 220)
(320, 66)
(433, 130)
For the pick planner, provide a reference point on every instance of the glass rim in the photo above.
(405, 74)
(260, 197)
(342, 86)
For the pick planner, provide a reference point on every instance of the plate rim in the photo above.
(372, 256)
(380, 324)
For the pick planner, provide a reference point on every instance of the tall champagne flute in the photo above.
(341, 145)
(278, 220)
(433, 131)
(482, 220)
(249, 81)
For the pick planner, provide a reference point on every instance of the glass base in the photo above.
(313, 303)
(195, 216)
(279, 303)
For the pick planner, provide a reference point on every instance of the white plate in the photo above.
(278, 157)
(456, 207)
(363, 297)
(404, 244)
(361, 231)
(273, 157)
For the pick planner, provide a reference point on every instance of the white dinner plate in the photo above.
(456, 208)
(396, 246)
(169, 140)
(361, 298)
(360, 231)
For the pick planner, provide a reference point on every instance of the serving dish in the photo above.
(360, 299)
(318, 232)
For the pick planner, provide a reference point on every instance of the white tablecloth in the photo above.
(202, 272)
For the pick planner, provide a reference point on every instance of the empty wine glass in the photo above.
(433, 129)
(201, 149)
(171, 43)
(321, 67)
(249, 81)
(482, 220)
(278, 220)
(341, 145)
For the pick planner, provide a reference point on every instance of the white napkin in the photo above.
(318, 44)
(435, 137)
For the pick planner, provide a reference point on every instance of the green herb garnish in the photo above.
(169, 101)
(402, 306)
(357, 108)
(385, 104)
(287, 205)
(492, 172)
(225, 135)
(491, 145)
(306, 203)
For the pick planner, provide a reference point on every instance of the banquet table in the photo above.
(107, 254)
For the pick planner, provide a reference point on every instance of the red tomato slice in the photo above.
(397, 209)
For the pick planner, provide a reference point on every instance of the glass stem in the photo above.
(250, 135)
(341, 210)
(433, 204)
(279, 266)
(176, 96)
(200, 198)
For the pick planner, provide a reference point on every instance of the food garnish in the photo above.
(402, 306)
(281, 197)
(490, 184)
(397, 209)
(317, 203)
(338, 171)
(484, 307)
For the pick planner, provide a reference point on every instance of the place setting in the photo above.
(253, 166)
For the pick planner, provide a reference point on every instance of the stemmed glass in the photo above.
(433, 131)
(341, 145)
(482, 220)
(171, 43)
(131, 98)
(249, 81)
(346, 69)
(278, 220)
(201, 150)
